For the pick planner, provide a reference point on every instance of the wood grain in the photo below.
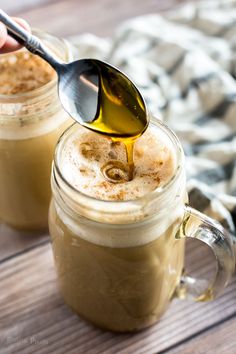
(13, 242)
(64, 18)
(13, 6)
(220, 339)
(33, 314)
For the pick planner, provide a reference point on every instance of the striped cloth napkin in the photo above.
(185, 66)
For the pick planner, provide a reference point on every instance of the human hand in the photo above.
(7, 43)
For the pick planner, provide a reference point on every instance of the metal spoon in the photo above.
(79, 82)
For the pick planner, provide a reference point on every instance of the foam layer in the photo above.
(25, 117)
(83, 159)
(22, 72)
(81, 156)
(35, 129)
(125, 235)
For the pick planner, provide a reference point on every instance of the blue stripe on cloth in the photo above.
(216, 175)
(219, 111)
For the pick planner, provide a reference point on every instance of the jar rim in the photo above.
(39, 90)
(61, 181)
(26, 106)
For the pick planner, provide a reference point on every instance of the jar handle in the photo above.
(199, 226)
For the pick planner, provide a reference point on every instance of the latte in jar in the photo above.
(31, 121)
(117, 259)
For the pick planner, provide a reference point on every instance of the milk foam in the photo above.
(80, 160)
(125, 235)
(83, 158)
(37, 128)
(30, 115)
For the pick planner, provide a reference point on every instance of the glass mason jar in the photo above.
(30, 125)
(119, 263)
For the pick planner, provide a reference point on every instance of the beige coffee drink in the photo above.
(115, 251)
(31, 121)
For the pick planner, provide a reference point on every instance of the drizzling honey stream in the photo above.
(121, 121)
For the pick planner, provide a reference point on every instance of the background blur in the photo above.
(70, 17)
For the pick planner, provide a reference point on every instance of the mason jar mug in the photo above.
(31, 121)
(119, 263)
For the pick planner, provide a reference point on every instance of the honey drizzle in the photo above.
(120, 121)
(129, 149)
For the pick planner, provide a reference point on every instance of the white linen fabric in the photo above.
(184, 63)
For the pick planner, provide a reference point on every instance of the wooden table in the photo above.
(33, 316)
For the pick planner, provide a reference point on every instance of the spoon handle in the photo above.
(31, 42)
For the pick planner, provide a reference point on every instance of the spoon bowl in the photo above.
(94, 93)
(87, 84)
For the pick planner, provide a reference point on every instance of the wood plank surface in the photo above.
(14, 242)
(14, 6)
(33, 314)
(220, 339)
(64, 18)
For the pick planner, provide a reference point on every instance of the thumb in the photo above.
(3, 34)
(8, 43)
